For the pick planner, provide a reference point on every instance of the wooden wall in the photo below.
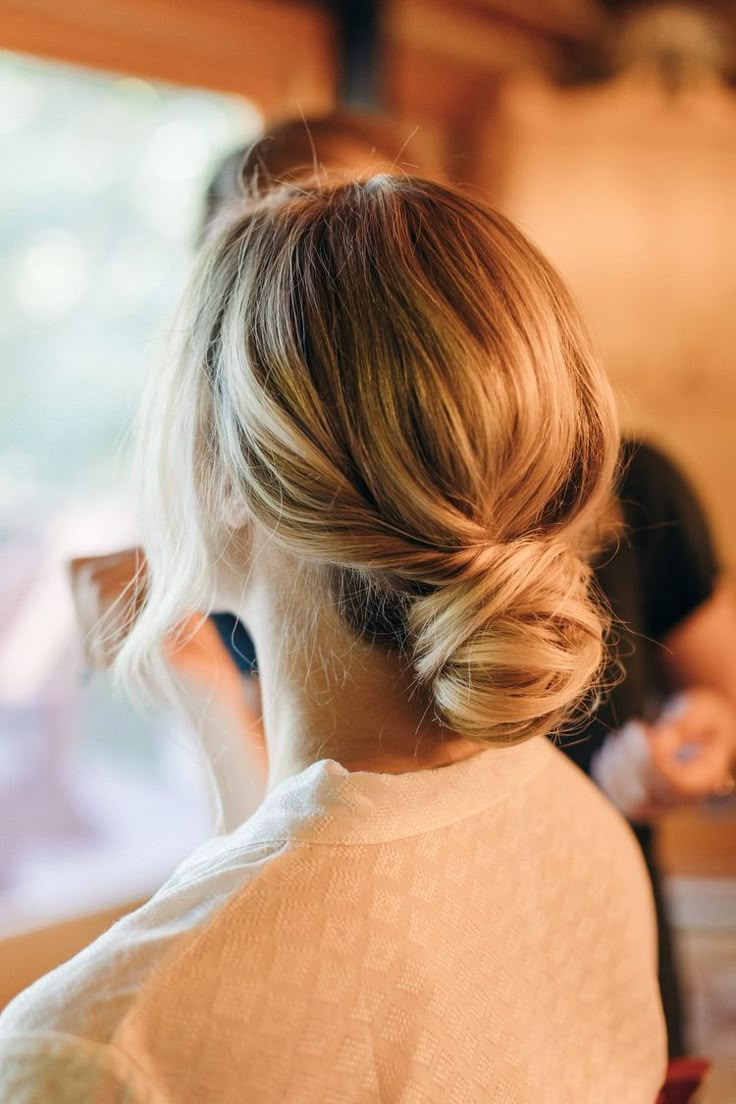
(632, 193)
(444, 62)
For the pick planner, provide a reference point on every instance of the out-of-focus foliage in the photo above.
(100, 195)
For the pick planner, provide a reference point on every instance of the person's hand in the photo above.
(108, 592)
(693, 747)
(686, 755)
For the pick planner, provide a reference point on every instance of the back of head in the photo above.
(343, 143)
(396, 387)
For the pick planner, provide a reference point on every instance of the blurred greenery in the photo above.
(100, 197)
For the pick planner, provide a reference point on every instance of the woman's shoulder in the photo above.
(87, 996)
(59, 1039)
(308, 936)
(595, 825)
(66, 1069)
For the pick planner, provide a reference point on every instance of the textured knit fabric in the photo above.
(478, 932)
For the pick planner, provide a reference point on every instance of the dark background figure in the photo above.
(659, 576)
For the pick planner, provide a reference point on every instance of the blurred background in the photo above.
(606, 129)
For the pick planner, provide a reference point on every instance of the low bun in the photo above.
(397, 388)
(508, 648)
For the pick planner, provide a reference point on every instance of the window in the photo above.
(101, 193)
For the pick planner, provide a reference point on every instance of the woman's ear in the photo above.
(235, 512)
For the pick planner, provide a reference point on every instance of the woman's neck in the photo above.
(326, 695)
(361, 711)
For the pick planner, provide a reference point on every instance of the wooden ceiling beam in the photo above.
(574, 20)
(279, 53)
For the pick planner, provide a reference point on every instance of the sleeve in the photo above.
(50, 1066)
(671, 533)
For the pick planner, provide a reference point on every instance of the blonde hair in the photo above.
(395, 384)
(299, 148)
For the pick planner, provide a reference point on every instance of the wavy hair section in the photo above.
(396, 387)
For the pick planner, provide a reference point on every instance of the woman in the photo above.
(675, 616)
(432, 903)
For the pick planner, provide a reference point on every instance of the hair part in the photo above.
(342, 144)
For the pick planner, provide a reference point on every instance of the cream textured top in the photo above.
(477, 932)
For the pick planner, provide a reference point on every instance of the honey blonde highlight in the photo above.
(396, 386)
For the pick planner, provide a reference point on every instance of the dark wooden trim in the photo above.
(280, 54)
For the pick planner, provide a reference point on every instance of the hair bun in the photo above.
(510, 644)
(397, 387)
